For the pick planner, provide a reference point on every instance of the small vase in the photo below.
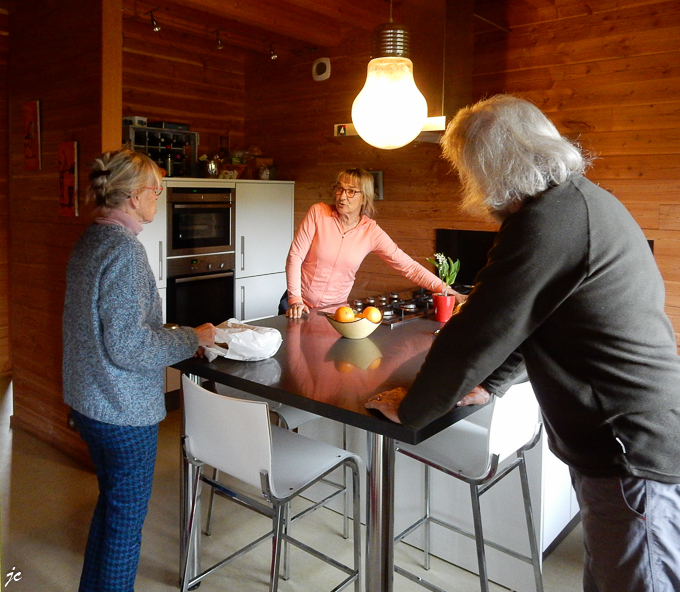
(443, 307)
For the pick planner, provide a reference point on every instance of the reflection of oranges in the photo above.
(374, 364)
(343, 367)
(372, 314)
(344, 314)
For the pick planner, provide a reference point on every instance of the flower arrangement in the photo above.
(446, 268)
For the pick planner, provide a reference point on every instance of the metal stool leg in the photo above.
(533, 543)
(211, 503)
(427, 524)
(479, 537)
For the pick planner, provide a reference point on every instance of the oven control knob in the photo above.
(209, 265)
(221, 265)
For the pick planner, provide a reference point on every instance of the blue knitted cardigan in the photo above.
(115, 346)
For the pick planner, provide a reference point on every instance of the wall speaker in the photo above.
(321, 69)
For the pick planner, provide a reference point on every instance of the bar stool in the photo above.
(236, 436)
(471, 451)
(289, 418)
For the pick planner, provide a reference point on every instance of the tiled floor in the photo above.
(47, 500)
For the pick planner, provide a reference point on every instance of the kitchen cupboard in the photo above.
(264, 232)
(153, 237)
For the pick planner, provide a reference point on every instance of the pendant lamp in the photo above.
(390, 111)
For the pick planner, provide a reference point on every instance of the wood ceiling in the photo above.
(261, 25)
(285, 26)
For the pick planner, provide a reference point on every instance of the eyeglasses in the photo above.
(339, 189)
(156, 190)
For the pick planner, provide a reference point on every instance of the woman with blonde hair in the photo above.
(115, 351)
(333, 240)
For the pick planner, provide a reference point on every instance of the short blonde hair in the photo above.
(116, 175)
(361, 178)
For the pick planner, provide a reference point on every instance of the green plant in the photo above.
(446, 269)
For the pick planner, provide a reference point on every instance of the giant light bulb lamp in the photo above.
(390, 111)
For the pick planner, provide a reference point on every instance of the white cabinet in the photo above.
(258, 297)
(264, 232)
(153, 237)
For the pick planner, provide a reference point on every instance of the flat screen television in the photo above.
(470, 246)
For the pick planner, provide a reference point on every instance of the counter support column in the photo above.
(380, 514)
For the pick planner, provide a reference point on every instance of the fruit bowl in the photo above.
(357, 329)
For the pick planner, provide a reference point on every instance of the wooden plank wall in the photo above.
(5, 358)
(182, 77)
(606, 72)
(60, 64)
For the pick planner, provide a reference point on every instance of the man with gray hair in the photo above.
(571, 289)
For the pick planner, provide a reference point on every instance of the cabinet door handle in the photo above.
(160, 260)
(243, 253)
(243, 303)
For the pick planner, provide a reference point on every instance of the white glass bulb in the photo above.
(390, 111)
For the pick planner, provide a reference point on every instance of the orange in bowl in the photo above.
(373, 314)
(344, 314)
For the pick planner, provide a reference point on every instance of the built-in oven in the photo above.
(200, 252)
(201, 219)
(200, 289)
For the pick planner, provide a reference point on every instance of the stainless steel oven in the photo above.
(201, 219)
(200, 289)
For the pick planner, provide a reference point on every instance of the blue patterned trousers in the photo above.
(124, 458)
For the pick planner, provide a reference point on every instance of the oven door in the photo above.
(198, 299)
(195, 228)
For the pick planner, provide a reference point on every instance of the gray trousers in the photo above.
(631, 534)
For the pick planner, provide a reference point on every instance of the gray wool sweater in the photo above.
(572, 286)
(115, 346)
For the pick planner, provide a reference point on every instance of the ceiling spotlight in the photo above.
(154, 24)
(220, 45)
(272, 53)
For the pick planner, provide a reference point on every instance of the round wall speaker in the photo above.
(321, 69)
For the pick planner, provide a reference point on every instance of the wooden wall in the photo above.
(606, 72)
(182, 77)
(59, 56)
(5, 358)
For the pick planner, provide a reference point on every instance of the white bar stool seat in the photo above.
(471, 451)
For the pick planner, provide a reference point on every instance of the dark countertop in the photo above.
(319, 371)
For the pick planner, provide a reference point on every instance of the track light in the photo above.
(154, 24)
(272, 54)
(220, 45)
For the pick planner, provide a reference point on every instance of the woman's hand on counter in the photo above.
(297, 310)
(388, 403)
(206, 334)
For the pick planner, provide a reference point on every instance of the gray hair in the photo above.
(364, 179)
(506, 150)
(116, 175)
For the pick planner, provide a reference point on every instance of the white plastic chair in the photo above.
(471, 451)
(236, 437)
(289, 418)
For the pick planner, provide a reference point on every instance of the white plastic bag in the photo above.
(244, 342)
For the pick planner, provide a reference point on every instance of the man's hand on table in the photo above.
(388, 402)
(477, 396)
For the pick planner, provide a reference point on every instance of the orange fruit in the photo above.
(373, 314)
(344, 314)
